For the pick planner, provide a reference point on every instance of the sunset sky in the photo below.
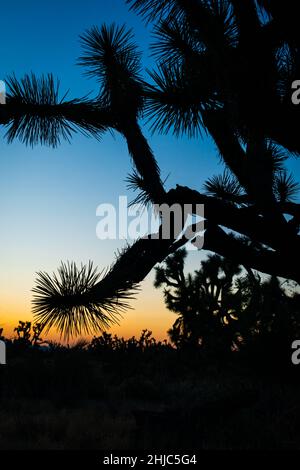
(49, 196)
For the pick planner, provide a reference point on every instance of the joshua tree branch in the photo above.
(135, 263)
(245, 221)
(217, 125)
(43, 122)
(144, 161)
(262, 260)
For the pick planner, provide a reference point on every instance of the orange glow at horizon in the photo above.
(148, 311)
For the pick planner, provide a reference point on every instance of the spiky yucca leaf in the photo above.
(175, 102)
(175, 41)
(39, 115)
(68, 301)
(214, 17)
(107, 46)
(274, 157)
(286, 189)
(136, 183)
(111, 56)
(223, 21)
(154, 10)
(226, 187)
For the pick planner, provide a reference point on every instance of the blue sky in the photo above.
(49, 197)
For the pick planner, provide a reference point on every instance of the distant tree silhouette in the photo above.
(28, 334)
(221, 307)
(224, 67)
(106, 342)
(273, 317)
(208, 302)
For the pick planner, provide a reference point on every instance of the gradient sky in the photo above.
(49, 196)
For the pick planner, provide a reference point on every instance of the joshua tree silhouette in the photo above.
(207, 302)
(222, 307)
(224, 67)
